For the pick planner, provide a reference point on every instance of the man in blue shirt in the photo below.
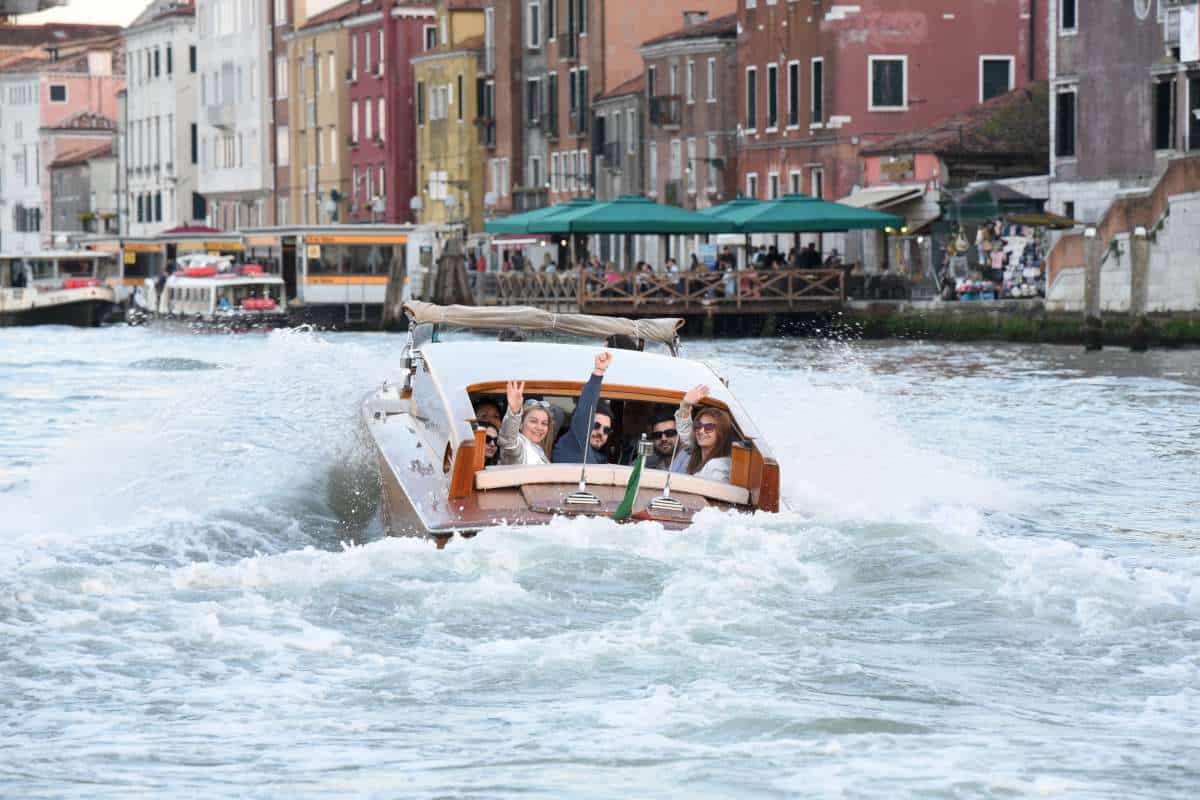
(589, 432)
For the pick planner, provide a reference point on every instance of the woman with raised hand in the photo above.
(707, 442)
(525, 430)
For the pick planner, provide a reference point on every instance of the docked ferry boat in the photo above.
(431, 447)
(209, 292)
(56, 287)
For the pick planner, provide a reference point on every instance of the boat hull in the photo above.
(89, 313)
(199, 324)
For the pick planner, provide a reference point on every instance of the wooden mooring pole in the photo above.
(1139, 289)
(1093, 325)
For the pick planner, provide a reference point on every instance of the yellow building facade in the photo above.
(450, 160)
(319, 113)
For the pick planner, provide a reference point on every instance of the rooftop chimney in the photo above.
(691, 18)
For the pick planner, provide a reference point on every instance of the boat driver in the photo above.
(589, 432)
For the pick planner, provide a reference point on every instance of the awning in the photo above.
(1044, 219)
(631, 214)
(883, 196)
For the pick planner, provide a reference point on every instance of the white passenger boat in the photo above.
(431, 448)
(209, 292)
(56, 287)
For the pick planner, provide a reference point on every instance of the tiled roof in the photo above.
(81, 155)
(72, 57)
(51, 33)
(339, 12)
(721, 26)
(1014, 123)
(634, 85)
(161, 9)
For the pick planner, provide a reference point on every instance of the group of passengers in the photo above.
(687, 441)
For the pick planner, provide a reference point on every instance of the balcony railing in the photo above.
(666, 110)
(530, 199)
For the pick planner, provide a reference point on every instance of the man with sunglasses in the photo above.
(589, 432)
(663, 436)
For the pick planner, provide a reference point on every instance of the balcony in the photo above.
(530, 199)
(222, 116)
(487, 132)
(666, 110)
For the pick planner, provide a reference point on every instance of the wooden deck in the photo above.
(767, 291)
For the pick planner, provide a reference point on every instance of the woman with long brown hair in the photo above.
(708, 439)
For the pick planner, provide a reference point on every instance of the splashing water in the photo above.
(985, 584)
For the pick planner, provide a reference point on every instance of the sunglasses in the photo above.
(492, 439)
(669, 433)
(605, 429)
(707, 427)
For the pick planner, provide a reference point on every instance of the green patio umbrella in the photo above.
(736, 210)
(799, 213)
(527, 221)
(632, 214)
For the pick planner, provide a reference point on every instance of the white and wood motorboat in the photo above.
(431, 447)
(56, 287)
(209, 292)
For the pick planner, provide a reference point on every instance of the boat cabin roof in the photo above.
(220, 282)
(554, 369)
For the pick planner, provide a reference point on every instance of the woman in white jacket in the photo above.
(707, 441)
(525, 429)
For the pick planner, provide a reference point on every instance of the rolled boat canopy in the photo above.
(527, 318)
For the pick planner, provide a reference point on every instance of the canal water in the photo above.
(987, 584)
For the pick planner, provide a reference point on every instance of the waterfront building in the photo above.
(598, 49)
(283, 17)
(450, 158)
(819, 82)
(384, 35)
(620, 117)
(691, 95)
(84, 192)
(318, 54)
(235, 171)
(55, 99)
(160, 136)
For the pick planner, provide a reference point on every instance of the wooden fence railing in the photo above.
(748, 291)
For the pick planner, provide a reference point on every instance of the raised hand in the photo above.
(516, 396)
(602, 361)
(695, 394)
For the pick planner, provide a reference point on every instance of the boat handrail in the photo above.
(515, 476)
(664, 330)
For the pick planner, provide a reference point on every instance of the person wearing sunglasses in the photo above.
(589, 433)
(491, 444)
(705, 443)
(663, 436)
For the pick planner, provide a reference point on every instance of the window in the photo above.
(157, 62)
(533, 98)
(1164, 114)
(281, 78)
(535, 171)
(995, 76)
(366, 40)
(752, 185)
(711, 95)
(382, 118)
(1064, 124)
(195, 144)
(461, 98)
(631, 130)
(651, 81)
(555, 172)
(192, 59)
(282, 146)
(533, 14)
(889, 83)
(354, 58)
(354, 119)
(793, 94)
(816, 182)
(676, 160)
(382, 60)
(58, 93)
(551, 18)
(711, 166)
(772, 96)
(690, 81)
(430, 37)
(382, 184)
(369, 120)
(333, 78)
(1067, 16)
(673, 79)
(794, 178)
(772, 185)
(751, 98)
(816, 103)
(652, 168)
(691, 165)
(170, 60)
(420, 95)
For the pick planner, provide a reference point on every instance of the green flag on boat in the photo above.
(635, 479)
